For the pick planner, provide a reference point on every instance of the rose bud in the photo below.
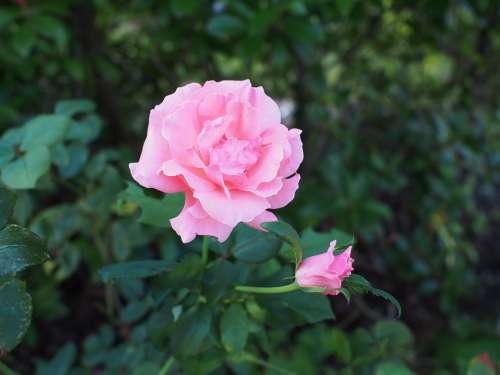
(325, 270)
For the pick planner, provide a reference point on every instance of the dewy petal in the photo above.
(265, 217)
(193, 221)
(292, 163)
(286, 194)
(240, 207)
(154, 152)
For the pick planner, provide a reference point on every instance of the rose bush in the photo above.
(224, 146)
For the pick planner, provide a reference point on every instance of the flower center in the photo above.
(234, 156)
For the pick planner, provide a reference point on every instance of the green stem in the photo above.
(168, 363)
(268, 290)
(204, 250)
(4, 370)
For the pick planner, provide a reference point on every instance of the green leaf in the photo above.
(253, 246)
(134, 269)
(85, 130)
(346, 294)
(15, 313)
(153, 211)
(7, 153)
(189, 268)
(23, 41)
(184, 7)
(44, 130)
(133, 311)
(357, 284)
(70, 159)
(19, 249)
(221, 276)
(338, 341)
(344, 6)
(60, 364)
(393, 368)
(67, 261)
(24, 172)
(73, 106)
(191, 331)
(225, 26)
(394, 332)
(312, 307)
(286, 232)
(234, 328)
(7, 203)
(147, 368)
(304, 30)
(388, 297)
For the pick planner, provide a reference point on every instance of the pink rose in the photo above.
(325, 270)
(224, 146)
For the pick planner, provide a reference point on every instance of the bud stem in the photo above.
(268, 290)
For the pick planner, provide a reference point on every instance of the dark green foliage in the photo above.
(19, 249)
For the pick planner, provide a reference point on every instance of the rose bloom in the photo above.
(325, 270)
(224, 146)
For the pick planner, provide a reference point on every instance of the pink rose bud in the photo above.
(325, 270)
(224, 146)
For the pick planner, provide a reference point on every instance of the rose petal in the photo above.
(287, 192)
(267, 166)
(265, 217)
(195, 178)
(155, 151)
(292, 163)
(193, 221)
(268, 189)
(240, 207)
(180, 128)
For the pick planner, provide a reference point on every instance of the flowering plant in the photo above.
(215, 162)
(223, 145)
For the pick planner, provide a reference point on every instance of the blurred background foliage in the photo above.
(399, 102)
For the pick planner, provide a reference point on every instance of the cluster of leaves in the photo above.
(189, 308)
(19, 249)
